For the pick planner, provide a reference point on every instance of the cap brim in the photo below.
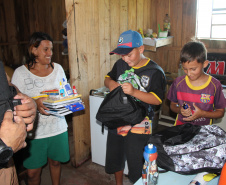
(121, 51)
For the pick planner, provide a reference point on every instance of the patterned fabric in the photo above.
(206, 150)
(130, 77)
(206, 97)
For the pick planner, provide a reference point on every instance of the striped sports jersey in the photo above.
(207, 97)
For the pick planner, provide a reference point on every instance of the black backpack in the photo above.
(6, 94)
(190, 149)
(119, 109)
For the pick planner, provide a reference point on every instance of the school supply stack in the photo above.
(64, 106)
(62, 101)
(190, 149)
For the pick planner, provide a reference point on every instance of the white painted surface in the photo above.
(98, 139)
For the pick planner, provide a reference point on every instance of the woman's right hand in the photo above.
(41, 108)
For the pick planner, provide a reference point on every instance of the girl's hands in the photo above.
(40, 106)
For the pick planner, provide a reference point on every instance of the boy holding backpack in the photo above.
(196, 97)
(134, 73)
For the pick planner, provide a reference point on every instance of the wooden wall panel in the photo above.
(114, 27)
(104, 39)
(153, 17)
(8, 33)
(147, 15)
(19, 19)
(188, 21)
(176, 12)
(123, 12)
(140, 14)
(82, 47)
(215, 46)
(132, 18)
(171, 56)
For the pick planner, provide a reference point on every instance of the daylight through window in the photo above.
(211, 19)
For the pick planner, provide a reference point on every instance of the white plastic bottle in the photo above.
(67, 88)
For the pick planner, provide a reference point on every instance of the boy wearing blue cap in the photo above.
(143, 79)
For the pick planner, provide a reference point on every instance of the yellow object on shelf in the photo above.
(141, 32)
(154, 35)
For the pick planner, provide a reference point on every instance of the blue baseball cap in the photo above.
(127, 41)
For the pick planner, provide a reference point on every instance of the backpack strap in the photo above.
(102, 128)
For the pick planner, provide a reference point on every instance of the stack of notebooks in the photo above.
(64, 106)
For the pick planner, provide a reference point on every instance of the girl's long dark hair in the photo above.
(35, 39)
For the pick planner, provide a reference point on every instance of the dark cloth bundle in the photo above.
(6, 93)
(191, 149)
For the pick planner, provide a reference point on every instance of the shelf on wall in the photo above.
(151, 44)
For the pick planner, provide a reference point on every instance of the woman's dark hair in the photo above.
(35, 39)
(193, 51)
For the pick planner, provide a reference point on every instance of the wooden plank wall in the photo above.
(93, 30)
(20, 18)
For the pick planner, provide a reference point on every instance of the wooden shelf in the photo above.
(152, 44)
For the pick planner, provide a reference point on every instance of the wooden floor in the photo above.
(87, 174)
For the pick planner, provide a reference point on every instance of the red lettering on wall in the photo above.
(216, 67)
